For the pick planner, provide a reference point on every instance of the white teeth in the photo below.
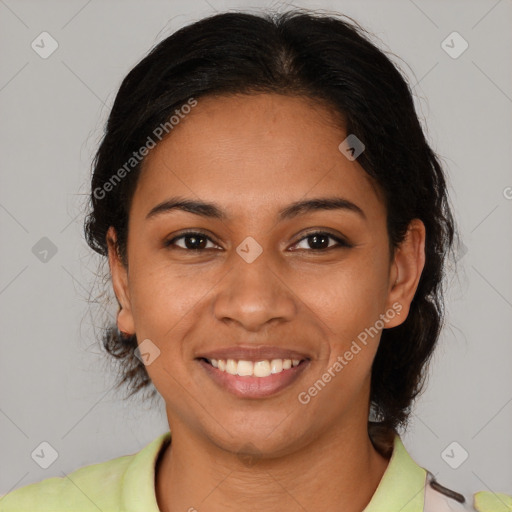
(231, 366)
(244, 368)
(262, 368)
(276, 365)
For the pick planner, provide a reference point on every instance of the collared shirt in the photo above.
(127, 484)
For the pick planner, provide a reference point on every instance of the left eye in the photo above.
(199, 241)
(320, 238)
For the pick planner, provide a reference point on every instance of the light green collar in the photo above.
(138, 486)
(401, 488)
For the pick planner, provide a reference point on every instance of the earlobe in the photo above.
(406, 269)
(119, 275)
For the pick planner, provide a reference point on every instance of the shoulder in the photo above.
(441, 499)
(124, 483)
(92, 487)
(486, 501)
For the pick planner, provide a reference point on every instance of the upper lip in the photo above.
(258, 353)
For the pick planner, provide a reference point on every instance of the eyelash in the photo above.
(340, 241)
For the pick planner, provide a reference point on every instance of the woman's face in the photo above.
(256, 279)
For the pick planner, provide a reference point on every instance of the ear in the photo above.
(405, 272)
(119, 274)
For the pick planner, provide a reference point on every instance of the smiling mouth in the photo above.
(245, 368)
(257, 379)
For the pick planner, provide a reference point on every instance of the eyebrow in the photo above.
(214, 211)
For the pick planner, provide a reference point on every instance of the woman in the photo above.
(276, 227)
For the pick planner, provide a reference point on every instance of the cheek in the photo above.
(348, 304)
(347, 299)
(165, 307)
(164, 301)
(351, 306)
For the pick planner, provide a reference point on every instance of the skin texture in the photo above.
(253, 155)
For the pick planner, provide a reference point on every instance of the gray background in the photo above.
(55, 383)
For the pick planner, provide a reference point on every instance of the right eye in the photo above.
(197, 241)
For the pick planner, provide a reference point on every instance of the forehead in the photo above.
(250, 152)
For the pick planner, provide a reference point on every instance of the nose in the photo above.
(254, 295)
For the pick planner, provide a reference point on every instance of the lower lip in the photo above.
(254, 387)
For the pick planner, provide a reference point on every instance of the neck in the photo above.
(337, 471)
